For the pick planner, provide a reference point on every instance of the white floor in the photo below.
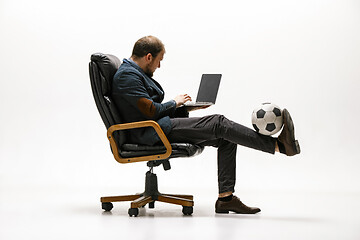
(65, 213)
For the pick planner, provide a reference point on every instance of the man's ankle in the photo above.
(226, 199)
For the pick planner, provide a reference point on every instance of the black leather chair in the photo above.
(102, 69)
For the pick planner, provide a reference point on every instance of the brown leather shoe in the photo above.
(234, 205)
(286, 140)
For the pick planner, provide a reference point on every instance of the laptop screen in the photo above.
(208, 88)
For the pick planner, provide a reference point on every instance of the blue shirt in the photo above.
(139, 97)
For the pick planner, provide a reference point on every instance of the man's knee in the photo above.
(219, 118)
(221, 125)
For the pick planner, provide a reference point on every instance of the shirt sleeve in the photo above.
(133, 90)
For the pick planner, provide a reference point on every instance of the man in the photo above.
(139, 97)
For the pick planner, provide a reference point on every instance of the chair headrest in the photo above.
(108, 65)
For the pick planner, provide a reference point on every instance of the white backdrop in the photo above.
(301, 55)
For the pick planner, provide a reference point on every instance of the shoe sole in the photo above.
(226, 212)
(297, 147)
(222, 212)
(289, 123)
(290, 127)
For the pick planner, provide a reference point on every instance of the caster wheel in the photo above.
(107, 206)
(151, 204)
(187, 210)
(133, 212)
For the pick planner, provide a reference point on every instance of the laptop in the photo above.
(208, 90)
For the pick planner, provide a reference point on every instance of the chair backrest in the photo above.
(102, 69)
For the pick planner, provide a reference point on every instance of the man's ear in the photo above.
(148, 57)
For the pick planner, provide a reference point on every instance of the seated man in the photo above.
(139, 97)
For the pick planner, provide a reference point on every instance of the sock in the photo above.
(226, 199)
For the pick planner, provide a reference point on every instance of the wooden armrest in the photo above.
(132, 125)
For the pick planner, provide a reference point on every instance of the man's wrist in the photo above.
(176, 104)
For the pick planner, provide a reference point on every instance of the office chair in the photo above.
(102, 69)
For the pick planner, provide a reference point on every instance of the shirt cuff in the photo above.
(170, 104)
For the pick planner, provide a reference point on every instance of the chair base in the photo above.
(149, 196)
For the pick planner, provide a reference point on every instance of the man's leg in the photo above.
(201, 129)
(226, 161)
(226, 179)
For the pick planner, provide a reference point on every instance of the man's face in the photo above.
(154, 63)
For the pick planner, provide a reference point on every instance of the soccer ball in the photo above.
(267, 119)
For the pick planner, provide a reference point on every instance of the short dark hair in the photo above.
(148, 44)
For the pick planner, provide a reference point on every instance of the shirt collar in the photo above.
(134, 64)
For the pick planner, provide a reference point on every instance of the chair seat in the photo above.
(178, 150)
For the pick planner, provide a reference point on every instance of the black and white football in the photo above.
(267, 119)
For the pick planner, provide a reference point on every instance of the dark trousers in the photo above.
(224, 134)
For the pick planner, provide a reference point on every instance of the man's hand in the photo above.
(181, 99)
